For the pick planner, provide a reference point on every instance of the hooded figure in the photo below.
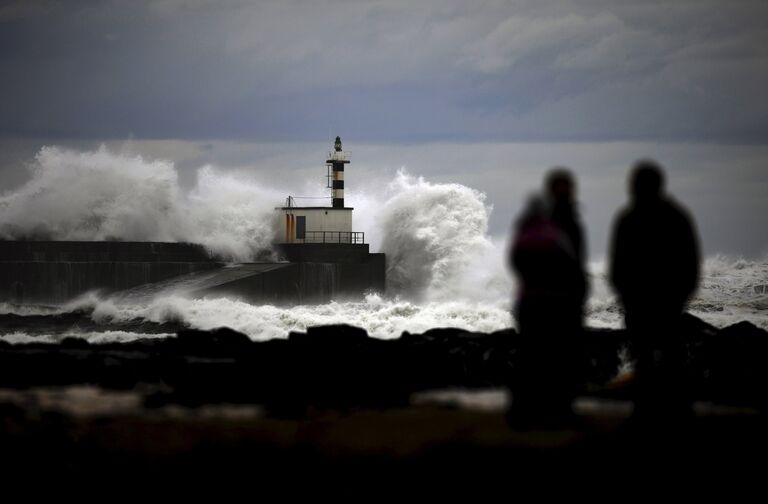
(547, 257)
(655, 260)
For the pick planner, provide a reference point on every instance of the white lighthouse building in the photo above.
(322, 224)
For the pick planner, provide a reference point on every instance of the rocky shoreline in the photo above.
(215, 403)
(341, 366)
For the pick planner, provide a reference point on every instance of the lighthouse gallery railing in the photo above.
(353, 237)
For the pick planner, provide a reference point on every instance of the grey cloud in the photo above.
(386, 70)
(518, 36)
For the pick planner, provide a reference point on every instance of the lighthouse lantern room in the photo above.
(323, 224)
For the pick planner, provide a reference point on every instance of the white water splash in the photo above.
(101, 195)
(437, 244)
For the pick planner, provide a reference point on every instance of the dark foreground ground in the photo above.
(336, 413)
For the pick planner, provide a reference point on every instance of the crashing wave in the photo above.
(101, 195)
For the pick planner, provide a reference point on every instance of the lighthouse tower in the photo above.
(337, 158)
(323, 224)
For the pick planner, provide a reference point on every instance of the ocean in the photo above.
(443, 267)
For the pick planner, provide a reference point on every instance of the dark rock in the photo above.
(70, 342)
(732, 363)
(694, 327)
(216, 339)
(333, 335)
(341, 367)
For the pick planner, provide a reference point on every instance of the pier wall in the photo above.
(359, 271)
(57, 272)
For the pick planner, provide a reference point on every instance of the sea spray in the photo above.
(95, 195)
(437, 244)
(101, 195)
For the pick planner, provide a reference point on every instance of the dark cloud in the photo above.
(385, 70)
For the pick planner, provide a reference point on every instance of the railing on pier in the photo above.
(353, 237)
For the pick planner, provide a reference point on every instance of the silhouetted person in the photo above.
(655, 269)
(547, 257)
(561, 194)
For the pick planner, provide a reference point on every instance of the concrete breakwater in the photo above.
(57, 272)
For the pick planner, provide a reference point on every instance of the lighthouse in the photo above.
(316, 257)
(337, 158)
(322, 239)
(323, 224)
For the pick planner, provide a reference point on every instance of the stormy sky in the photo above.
(485, 93)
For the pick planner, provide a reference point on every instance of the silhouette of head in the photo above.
(535, 209)
(646, 181)
(560, 186)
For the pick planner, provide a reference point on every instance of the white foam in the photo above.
(96, 337)
(731, 289)
(383, 318)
